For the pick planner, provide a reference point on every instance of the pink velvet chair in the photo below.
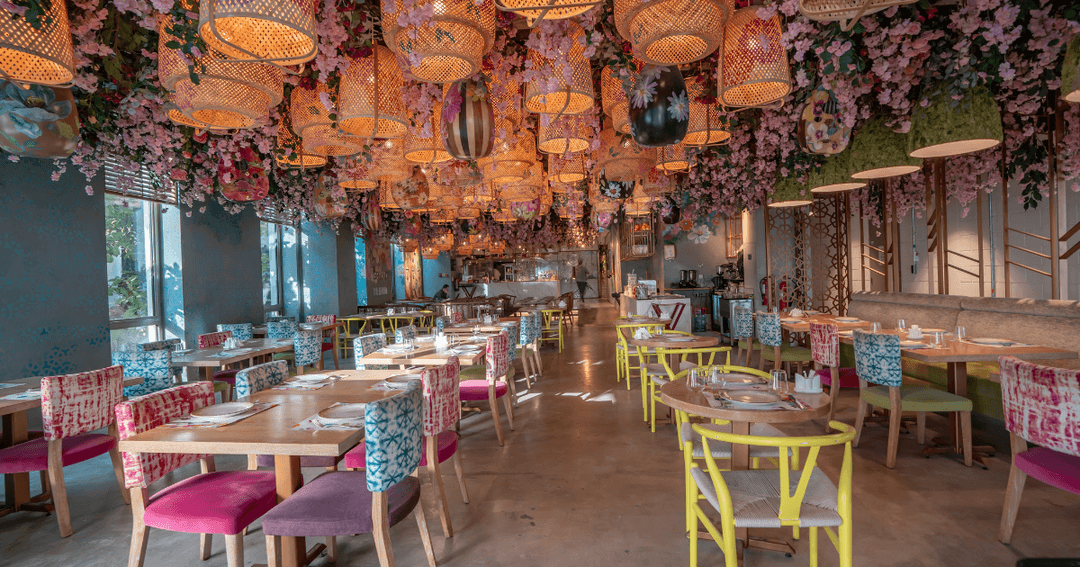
(825, 348)
(209, 503)
(1042, 405)
(71, 407)
(495, 385)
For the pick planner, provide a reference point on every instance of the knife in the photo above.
(798, 403)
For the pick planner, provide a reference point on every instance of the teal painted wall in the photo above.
(432, 268)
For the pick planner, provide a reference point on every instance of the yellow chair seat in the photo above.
(755, 497)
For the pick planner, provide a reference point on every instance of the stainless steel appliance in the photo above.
(723, 312)
(699, 301)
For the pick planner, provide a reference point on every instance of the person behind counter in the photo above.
(443, 294)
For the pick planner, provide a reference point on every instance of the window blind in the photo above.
(139, 184)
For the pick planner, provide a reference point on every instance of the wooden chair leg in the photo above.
(965, 431)
(834, 394)
(273, 551)
(1014, 490)
(494, 403)
(509, 412)
(895, 412)
(336, 367)
(118, 467)
(381, 529)
(425, 534)
(139, 532)
(253, 463)
(234, 550)
(59, 491)
(431, 451)
(205, 544)
(860, 416)
(920, 420)
(331, 547)
(460, 477)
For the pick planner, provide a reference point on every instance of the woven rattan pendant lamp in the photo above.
(877, 152)
(279, 31)
(563, 169)
(614, 100)
(38, 56)
(311, 121)
(370, 93)
(447, 47)
(847, 12)
(178, 117)
(672, 32)
(510, 159)
(562, 135)
(790, 192)
(356, 177)
(672, 159)
(949, 127)
(655, 185)
(1070, 71)
(427, 150)
(707, 125)
(386, 197)
(289, 151)
(535, 10)
(445, 216)
(621, 158)
(753, 69)
(571, 97)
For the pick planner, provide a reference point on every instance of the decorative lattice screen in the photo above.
(807, 256)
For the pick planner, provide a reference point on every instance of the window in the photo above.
(272, 277)
(133, 257)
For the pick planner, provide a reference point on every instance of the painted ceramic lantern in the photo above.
(247, 178)
(617, 190)
(525, 210)
(326, 205)
(821, 127)
(659, 107)
(468, 124)
(411, 227)
(38, 121)
(669, 211)
(371, 215)
(413, 192)
(603, 220)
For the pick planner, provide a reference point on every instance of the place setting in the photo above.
(309, 382)
(340, 416)
(219, 415)
(395, 382)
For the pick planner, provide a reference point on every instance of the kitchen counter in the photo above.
(675, 306)
(520, 290)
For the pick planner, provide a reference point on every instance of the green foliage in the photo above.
(120, 243)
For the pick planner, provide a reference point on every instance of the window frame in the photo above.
(278, 256)
(157, 275)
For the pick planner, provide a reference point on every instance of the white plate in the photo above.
(219, 411)
(311, 377)
(183, 351)
(992, 341)
(343, 413)
(791, 320)
(754, 397)
(932, 330)
(402, 378)
(848, 319)
(680, 339)
(913, 344)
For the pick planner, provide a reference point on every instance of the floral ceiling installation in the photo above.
(884, 68)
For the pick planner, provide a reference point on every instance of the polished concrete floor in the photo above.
(583, 482)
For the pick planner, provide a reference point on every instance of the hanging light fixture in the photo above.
(357, 178)
(846, 12)
(536, 10)
(289, 151)
(481, 196)
(790, 192)
(230, 95)
(386, 198)
(566, 169)
(655, 185)
(571, 97)
(1070, 71)
(571, 206)
(877, 152)
(443, 197)
(948, 127)
(510, 159)
(505, 92)
(564, 134)
(449, 45)
(834, 176)
(621, 158)
(613, 97)
(279, 31)
(468, 212)
(388, 161)
(672, 159)
(369, 96)
(428, 150)
(177, 117)
(503, 216)
(707, 125)
(37, 56)
(444, 216)
(753, 69)
(672, 32)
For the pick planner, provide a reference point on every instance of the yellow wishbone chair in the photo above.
(662, 373)
(624, 350)
(646, 368)
(775, 498)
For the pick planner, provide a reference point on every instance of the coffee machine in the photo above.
(687, 278)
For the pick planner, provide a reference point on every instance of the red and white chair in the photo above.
(825, 350)
(494, 386)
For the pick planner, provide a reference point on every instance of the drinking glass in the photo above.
(875, 327)
(779, 382)
(939, 339)
(697, 379)
(901, 325)
(961, 333)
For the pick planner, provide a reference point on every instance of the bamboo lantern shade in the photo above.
(563, 169)
(386, 197)
(230, 95)
(323, 140)
(707, 125)
(357, 179)
(505, 102)
(672, 32)
(948, 127)
(444, 216)
(446, 48)
(621, 158)
(1070, 71)
(443, 197)
(42, 57)
(847, 12)
(655, 185)
(510, 159)
(574, 97)
(388, 162)
(429, 252)
(431, 149)
(571, 206)
(753, 69)
(671, 159)
(468, 212)
(565, 134)
(636, 208)
(281, 31)
(790, 192)
(178, 117)
(503, 216)
(535, 10)
(614, 98)
(481, 196)
(599, 202)
(290, 152)
(457, 173)
(370, 91)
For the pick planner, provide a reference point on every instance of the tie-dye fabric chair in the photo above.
(171, 345)
(307, 349)
(404, 333)
(825, 348)
(284, 329)
(495, 386)
(526, 339)
(154, 367)
(1042, 406)
(227, 375)
(877, 361)
(456, 316)
(329, 336)
(742, 331)
(240, 331)
(279, 318)
(368, 344)
(214, 339)
(348, 502)
(440, 324)
(224, 502)
(71, 407)
(771, 338)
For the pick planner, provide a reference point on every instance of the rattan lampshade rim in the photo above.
(49, 50)
(359, 184)
(563, 10)
(64, 75)
(776, 100)
(208, 23)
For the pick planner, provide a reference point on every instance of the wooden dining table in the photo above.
(207, 360)
(272, 432)
(425, 354)
(13, 416)
(677, 395)
(467, 327)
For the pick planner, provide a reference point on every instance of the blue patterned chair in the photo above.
(344, 503)
(742, 331)
(154, 367)
(368, 344)
(440, 324)
(260, 377)
(280, 329)
(404, 333)
(307, 349)
(768, 332)
(171, 345)
(279, 318)
(877, 361)
(240, 331)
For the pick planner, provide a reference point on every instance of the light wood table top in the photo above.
(803, 323)
(425, 354)
(207, 357)
(467, 327)
(963, 351)
(676, 395)
(14, 406)
(643, 320)
(675, 341)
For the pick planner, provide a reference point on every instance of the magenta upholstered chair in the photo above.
(495, 385)
(71, 407)
(825, 348)
(1042, 405)
(209, 503)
